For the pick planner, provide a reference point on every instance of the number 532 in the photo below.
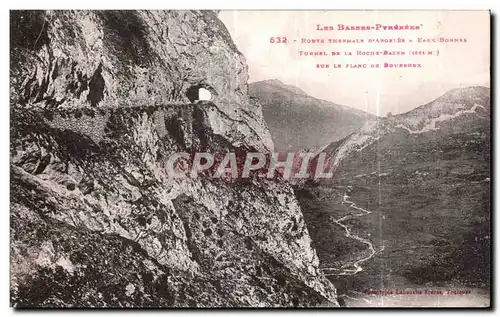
(278, 39)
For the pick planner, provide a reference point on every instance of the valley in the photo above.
(408, 207)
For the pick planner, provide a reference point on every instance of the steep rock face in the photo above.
(98, 106)
(123, 58)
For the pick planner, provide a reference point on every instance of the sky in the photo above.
(376, 90)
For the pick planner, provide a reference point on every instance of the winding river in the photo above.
(476, 298)
(355, 267)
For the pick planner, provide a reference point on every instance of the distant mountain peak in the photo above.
(299, 121)
(453, 101)
(273, 81)
(459, 110)
(466, 93)
(280, 84)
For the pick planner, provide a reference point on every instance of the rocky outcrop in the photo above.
(98, 105)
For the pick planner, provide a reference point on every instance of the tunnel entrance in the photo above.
(198, 93)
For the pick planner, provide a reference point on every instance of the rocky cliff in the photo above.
(99, 102)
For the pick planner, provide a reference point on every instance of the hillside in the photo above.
(299, 121)
(425, 177)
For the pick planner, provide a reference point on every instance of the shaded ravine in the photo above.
(356, 266)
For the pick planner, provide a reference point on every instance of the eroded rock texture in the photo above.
(98, 105)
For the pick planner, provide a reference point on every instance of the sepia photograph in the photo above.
(250, 159)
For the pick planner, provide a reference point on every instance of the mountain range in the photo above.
(100, 100)
(299, 121)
